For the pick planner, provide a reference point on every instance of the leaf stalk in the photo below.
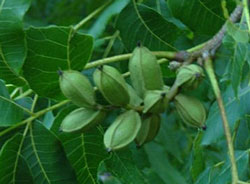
(210, 71)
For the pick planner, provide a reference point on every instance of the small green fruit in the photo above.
(122, 131)
(149, 129)
(145, 72)
(189, 76)
(112, 85)
(135, 100)
(191, 110)
(81, 119)
(155, 102)
(77, 88)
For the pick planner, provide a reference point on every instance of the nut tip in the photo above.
(60, 72)
(109, 150)
(139, 43)
(197, 75)
(163, 94)
(204, 127)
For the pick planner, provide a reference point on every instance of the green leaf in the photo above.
(237, 44)
(48, 119)
(152, 176)
(170, 136)
(141, 23)
(242, 138)
(106, 177)
(45, 157)
(13, 166)
(235, 109)
(242, 161)
(198, 164)
(204, 18)
(23, 172)
(222, 175)
(10, 113)
(12, 42)
(81, 148)
(50, 49)
(205, 177)
(237, 32)
(3, 90)
(120, 165)
(162, 166)
(100, 24)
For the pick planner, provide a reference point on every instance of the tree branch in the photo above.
(216, 41)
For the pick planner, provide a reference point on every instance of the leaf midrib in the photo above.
(36, 154)
(145, 25)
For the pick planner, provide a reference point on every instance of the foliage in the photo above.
(38, 38)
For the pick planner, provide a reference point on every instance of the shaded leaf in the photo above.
(198, 164)
(237, 63)
(141, 23)
(238, 33)
(170, 136)
(10, 112)
(45, 157)
(242, 161)
(162, 166)
(3, 90)
(48, 119)
(242, 138)
(84, 151)
(23, 172)
(120, 165)
(13, 166)
(152, 176)
(204, 18)
(106, 177)
(222, 175)
(237, 44)
(235, 109)
(12, 42)
(50, 49)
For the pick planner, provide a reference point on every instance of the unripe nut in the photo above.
(112, 85)
(189, 76)
(81, 120)
(191, 110)
(155, 102)
(145, 72)
(149, 129)
(122, 131)
(77, 88)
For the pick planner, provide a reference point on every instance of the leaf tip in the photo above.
(204, 128)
